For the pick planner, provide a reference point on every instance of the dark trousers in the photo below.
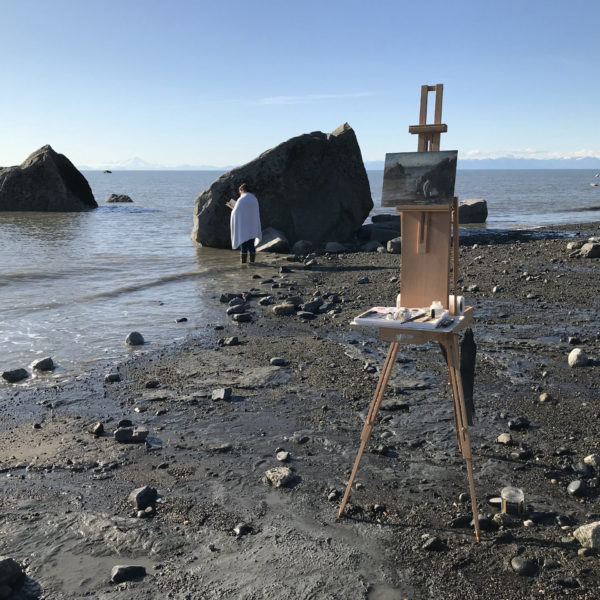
(248, 247)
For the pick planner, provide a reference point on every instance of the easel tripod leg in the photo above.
(463, 434)
(371, 416)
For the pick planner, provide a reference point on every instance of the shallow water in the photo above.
(73, 285)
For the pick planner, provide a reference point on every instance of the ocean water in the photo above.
(73, 285)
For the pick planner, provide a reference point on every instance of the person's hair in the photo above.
(244, 188)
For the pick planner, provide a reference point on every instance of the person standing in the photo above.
(245, 223)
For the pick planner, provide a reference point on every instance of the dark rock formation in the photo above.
(119, 198)
(312, 187)
(46, 181)
(472, 211)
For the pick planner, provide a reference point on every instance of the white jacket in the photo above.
(245, 221)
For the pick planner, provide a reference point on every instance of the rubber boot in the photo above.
(244, 256)
(252, 256)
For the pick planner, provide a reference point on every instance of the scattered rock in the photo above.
(588, 535)
(15, 375)
(363, 280)
(112, 377)
(545, 397)
(577, 358)
(505, 438)
(221, 394)
(279, 476)
(97, 429)
(302, 247)
(113, 198)
(122, 573)
(523, 566)
(434, 544)
(576, 488)
(273, 240)
(394, 246)
(590, 250)
(11, 577)
(518, 424)
(285, 308)
(130, 435)
(593, 460)
(472, 210)
(143, 497)
(278, 361)
(43, 364)
(231, 341)
(283, 456)
(242, 529)
(244, 317)
(181, 320)
(134, 339)
(335, 248)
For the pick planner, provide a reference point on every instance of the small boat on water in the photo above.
(594, 184)
(107, 171)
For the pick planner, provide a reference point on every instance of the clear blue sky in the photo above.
(199, 82)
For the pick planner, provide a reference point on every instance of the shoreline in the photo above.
(64, 510)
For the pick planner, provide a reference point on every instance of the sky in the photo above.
(198, 82)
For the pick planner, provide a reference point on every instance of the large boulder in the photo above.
(46, 181)
(312, 187)
(472, 211)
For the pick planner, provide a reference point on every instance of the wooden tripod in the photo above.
(425, 267)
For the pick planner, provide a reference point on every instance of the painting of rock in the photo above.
(413, 179)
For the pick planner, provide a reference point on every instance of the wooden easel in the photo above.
(425, 278)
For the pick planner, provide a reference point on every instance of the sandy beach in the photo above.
(218, 529)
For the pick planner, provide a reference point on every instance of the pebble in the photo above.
(528, 523)
(43, 364)
(221, 394)
(568, 582)
(545, 397)
(278, 361)
(588, 535)
(134, 339)
(505, 438)
(434, 544)
(242, 529)
(15, 375)
(181, 320)
(333, 495)
(122, 573)
(279, 476)
(576, 488)
(286, 308)
(231, 341)
(593, 460)
(97, 429)
(518, 423)
(152, 384)
(523, 566)
(363, 280)
(143, 497)
(112, 377)
(283, 456)
(131, 435)
(242, 317)
(577, 358)
(237, 309)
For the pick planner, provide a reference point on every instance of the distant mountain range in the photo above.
(514, 163)
(139, 164)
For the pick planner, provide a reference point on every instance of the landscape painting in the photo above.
(413, 179)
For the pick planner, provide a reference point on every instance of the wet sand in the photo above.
(64, 510)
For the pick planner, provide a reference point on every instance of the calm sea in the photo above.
(73, 285)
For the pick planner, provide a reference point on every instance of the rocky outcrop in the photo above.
(312, 187)
(472, 211)
(114, 198)
(46, 181)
